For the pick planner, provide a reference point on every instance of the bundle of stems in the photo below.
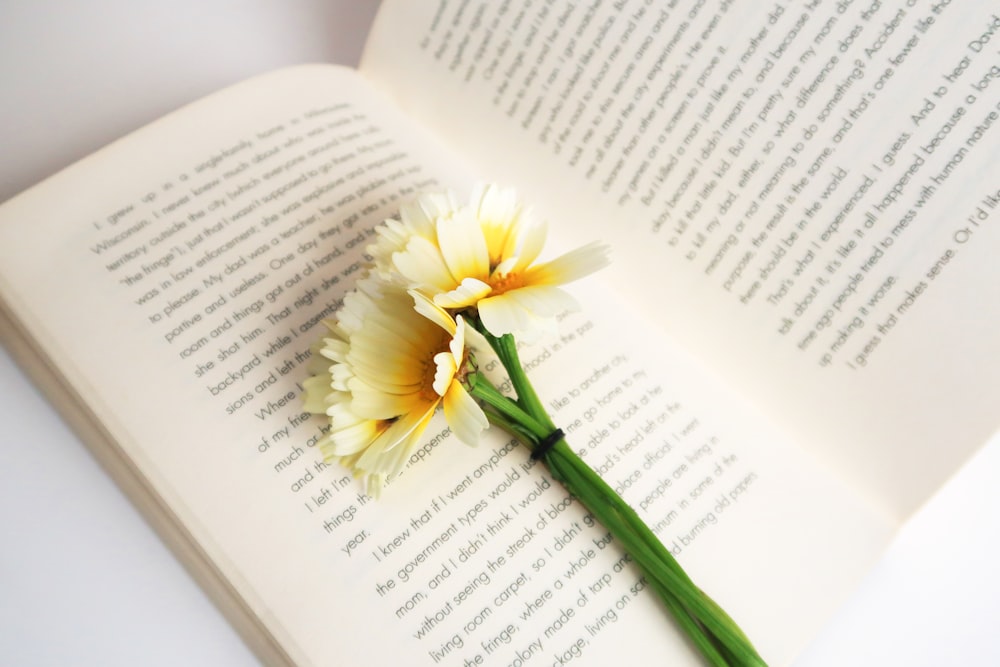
(711, 630)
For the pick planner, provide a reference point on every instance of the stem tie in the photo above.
(547, 443)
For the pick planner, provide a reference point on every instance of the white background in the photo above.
(84, 581)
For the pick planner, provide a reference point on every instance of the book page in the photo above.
(174, 281)
(804, 192)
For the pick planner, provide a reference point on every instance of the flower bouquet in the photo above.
(449, 284)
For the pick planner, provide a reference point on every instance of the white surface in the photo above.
(84, 581)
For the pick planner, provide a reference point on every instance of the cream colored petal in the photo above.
(423, 265)
(370, 403)
(392, 237)
(407, 335)
(463, 246)
(432, 312)
(381, 377)
(375, 288)
(422, 215)
(497, 210)
(372, 485)
(334, 349)
(394, 384)
(492, 203)
(527, 245)
(390, 461)
(571, 266)
(400, 434)
(357, 306)
(417, 215)
(444, 372)
(476, 343)
(506, 266)
(466, 419)
(384, 354)
(502, 315)
(388, 353)
(367, 356)
(527, 311)
(465, 295)
(342, 374)
(317, 388)
(544, 300)
(350, 434)
(372, 459)
(394, 232)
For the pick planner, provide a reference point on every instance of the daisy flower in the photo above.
(392, 359)
(482, 257)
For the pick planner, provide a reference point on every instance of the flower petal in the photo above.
(502, 315)
(423, 264)
(351, 434)
(463, 246)
(569, 267)
(399, 439)
(466, 294)
(444, 373)
(421, 216)
(317, 388)
(370, 403)
(334, 349)
(466, 419)
(544, 300)
(497, 210)
(432, 311)
(527, 311)
(529, 242)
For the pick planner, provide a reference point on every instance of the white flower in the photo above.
(482, 256)
(393, 358)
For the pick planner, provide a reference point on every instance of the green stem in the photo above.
(712, 631)
(481, 387)
(658, 564)
(645, 535)
(618, 526)
(506, 349)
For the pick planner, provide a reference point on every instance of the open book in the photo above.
(790, 353)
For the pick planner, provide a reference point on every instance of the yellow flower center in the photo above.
(505, 283)
(427, 386)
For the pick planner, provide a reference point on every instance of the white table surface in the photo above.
(84, 581)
